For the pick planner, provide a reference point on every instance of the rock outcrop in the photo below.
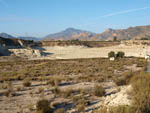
(26, 53)
(120, 98)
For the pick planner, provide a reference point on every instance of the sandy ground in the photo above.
(72, 52)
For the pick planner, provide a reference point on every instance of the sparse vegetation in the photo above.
(69, 84)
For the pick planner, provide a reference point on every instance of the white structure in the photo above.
(112, 58)
(147, 57)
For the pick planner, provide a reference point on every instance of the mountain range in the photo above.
(73, 34)
(5, 35)
(138, 32)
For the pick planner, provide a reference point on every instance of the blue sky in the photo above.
(42, 17)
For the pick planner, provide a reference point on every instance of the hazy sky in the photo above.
(42, 17)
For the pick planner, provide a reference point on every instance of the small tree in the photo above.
(111, 54)
(120, 54)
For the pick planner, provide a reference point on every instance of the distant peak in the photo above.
(109, 30)
(71, 28)
(5, 35)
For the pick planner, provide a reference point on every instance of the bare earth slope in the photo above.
(72, 52)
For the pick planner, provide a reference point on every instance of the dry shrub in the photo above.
(27, 82)
(3, 85)
(125, 79)
(56, 90)
(67, 93)
(99, 91)
(82, 91)
(120, 81)
(43, 106)
(10, 90)
(18, 88)
(40, 89)
(81, 108)
(54, 81)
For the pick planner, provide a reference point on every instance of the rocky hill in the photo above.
(18, 47)
(12, 43)
(139, 32)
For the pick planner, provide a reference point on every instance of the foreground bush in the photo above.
(141, 92)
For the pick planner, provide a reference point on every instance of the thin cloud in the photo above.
(124, 12)
(4, 3)
(116, 14)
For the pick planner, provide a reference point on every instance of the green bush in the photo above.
(120, 54)
(111, 54)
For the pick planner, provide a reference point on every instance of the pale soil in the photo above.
(72, 52)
